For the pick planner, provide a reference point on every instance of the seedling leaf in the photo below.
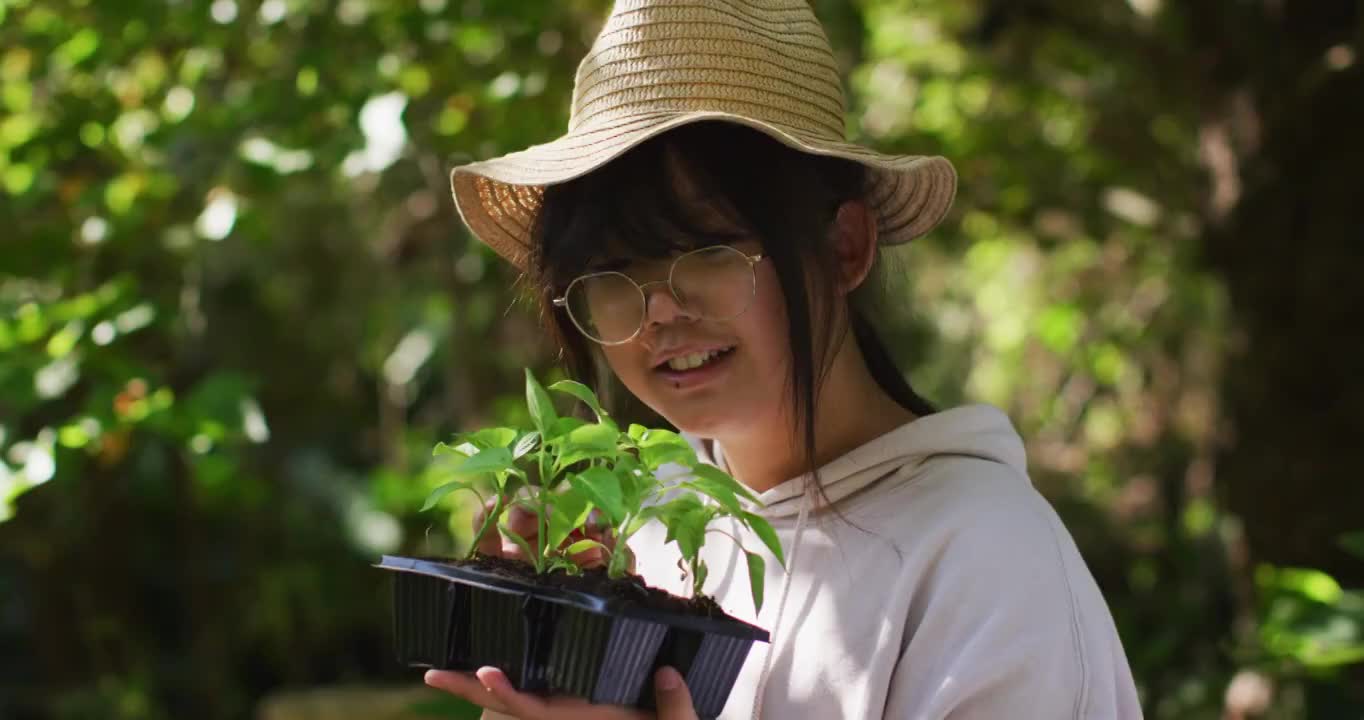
(492, 437)
(563, 426)
(583, 546)
(583, 393)
(657, 455)
(718, 476)
(577, 454)
(569, 511)
(688, 528)
(538, 402)
(603, 488)
(764, 531)
(598, 436)
(525, 444)
(651, 438)
(463, 449)
(720, 493)
(631, 484)
(757, 569)
(495, 459)
(439, 493)
(643, 517)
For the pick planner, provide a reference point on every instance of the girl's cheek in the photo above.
(615, 361)
(767, 319)
(628, 367)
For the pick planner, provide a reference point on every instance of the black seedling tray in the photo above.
(551, 640)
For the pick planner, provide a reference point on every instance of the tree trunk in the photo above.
(1291, 251)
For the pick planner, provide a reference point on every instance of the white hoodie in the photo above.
(952, 590)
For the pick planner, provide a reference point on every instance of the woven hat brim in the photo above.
(499, 199)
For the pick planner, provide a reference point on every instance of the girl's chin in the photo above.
(715, 416)
(699, 425)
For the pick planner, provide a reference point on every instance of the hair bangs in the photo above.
(643, 205)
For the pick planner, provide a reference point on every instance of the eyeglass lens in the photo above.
(713, 283)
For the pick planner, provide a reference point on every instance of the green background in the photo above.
(237, 310)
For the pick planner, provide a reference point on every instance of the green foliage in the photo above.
(446, 707)
(619, 480)
(1309, 622)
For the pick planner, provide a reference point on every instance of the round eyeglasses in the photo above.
(715, 283)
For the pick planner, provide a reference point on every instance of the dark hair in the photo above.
(786, 198)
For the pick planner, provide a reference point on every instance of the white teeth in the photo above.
(694, 360)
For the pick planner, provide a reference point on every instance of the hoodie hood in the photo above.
(981, 431)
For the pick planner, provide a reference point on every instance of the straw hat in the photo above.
(659, 64)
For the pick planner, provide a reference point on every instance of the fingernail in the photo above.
(668, 679)
(483, 674)
(428, 677)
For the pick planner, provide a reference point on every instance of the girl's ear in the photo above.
(854, 236)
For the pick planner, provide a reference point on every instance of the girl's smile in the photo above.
(688, 369)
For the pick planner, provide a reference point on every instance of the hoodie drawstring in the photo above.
(781, 606)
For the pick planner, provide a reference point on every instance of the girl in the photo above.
(705, 236)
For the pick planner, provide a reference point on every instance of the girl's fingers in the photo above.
(466, 686)
(531, 707)
(672, 697)
(608, 540)
(601, 536)
(526, 524)
(522, 705)
(589, 558)
(523, 522)
(512, 551)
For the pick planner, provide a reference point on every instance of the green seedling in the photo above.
(567, 467)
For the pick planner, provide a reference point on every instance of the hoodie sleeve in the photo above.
(1008, 621)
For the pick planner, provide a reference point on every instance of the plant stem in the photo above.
(541, 525)
(543, 532)
(620, 560)
(488, 522)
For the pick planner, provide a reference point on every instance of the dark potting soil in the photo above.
(597, 582)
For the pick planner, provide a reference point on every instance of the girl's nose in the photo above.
(660, 307)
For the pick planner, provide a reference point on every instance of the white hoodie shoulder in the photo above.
(948, 588)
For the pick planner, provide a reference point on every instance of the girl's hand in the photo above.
(525, 523)
(490, 689)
